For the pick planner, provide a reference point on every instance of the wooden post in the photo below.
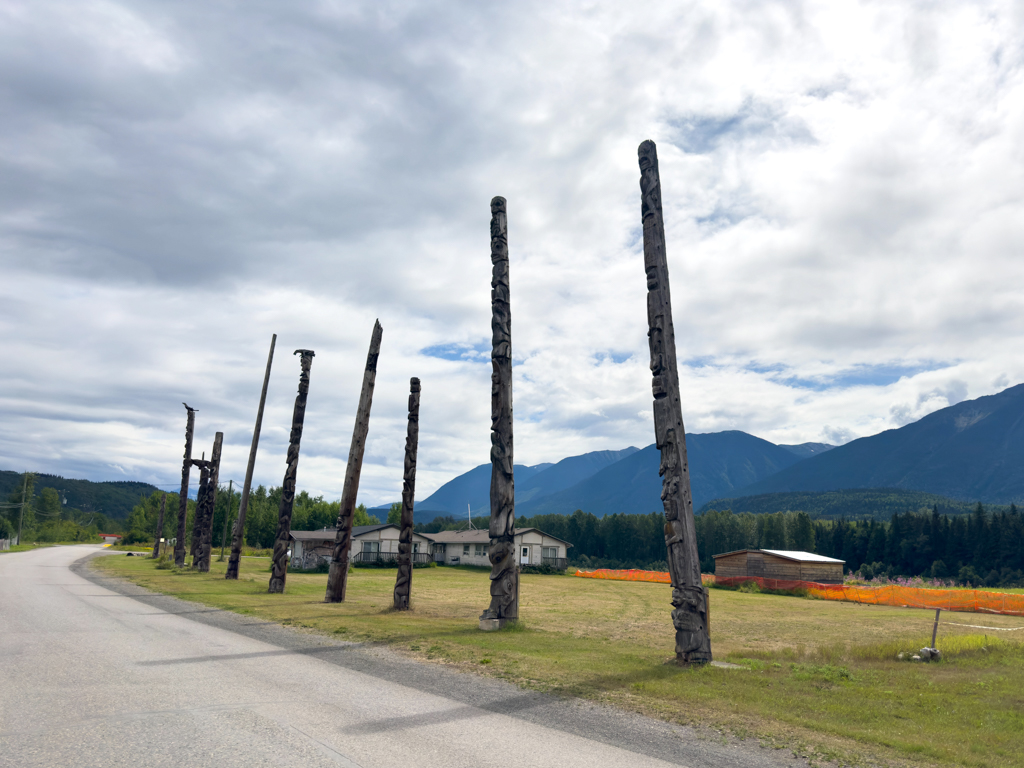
(159, 527)
(186, 466)
(337, 578)
(504, 607)
(707, 610)
(935, 628)
(284, 516)
(693, 643)
(238, 537)
(203, 524)
(227, 514)
(403, 581)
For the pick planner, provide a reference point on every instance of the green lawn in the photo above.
(819, 677)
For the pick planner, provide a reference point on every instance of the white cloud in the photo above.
(843, 197)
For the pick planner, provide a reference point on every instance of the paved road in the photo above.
(94, 672)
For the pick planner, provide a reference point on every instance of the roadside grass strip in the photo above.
(821, 678)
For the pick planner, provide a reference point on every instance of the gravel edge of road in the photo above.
(681, 745)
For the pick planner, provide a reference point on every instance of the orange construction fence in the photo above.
(966, 600)
(658, 577)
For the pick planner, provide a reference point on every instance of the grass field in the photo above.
(819, 677)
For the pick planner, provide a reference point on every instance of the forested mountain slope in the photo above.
(971, 451)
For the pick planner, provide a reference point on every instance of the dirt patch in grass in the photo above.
(818, 677)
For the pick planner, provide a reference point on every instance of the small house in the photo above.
(785, 565)
(533, 547)
(370, 543)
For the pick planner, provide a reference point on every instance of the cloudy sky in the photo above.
(844, 203)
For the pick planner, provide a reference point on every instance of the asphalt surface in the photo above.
(97, 672)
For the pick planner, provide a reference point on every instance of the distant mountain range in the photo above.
(969, 452)
(604, 482)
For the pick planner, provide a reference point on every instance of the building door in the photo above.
(525, 558)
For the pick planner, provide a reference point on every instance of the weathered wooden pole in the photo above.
(693, 642)
(403, 582)
(202, 497)
(160, 527)
(186, 466)
(504, 606)
(227, 517)
(205, 507)
(284, 517)
(337, 578)
(238, 537)
(218, 442)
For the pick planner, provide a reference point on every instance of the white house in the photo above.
(533, 547)
(369, 543)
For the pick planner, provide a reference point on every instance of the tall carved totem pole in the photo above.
(279, 564)
(403, 582)
(693, 642)
(206, 499)
(504, 606)
(238, 535)
(337, 578)
(186, 466)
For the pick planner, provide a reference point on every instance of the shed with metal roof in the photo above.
(780, 564)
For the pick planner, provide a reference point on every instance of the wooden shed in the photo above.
(779, 564)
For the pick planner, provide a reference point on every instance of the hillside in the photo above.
(114, 499)
(720, 464)
(877, 503)
(473, 488)
(971, 451)
(806, 450)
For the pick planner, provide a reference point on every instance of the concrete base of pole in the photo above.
(492, 625)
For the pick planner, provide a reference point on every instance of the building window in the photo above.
(415, 547)
(465, 549)
(480, 550)
(370, 547)
(549, 552)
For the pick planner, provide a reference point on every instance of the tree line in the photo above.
(981, 548)
(310, 513)
(44, 517)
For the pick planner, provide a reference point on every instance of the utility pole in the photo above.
(238, 539)
(21, 518)
(227, 514)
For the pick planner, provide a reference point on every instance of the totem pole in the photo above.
(202, 497)
(337, 578)
(238, 536)
(202, 527)
(179, 542)
(504, 606)
(693, 642)
(284, 516)
(403, 582)
(160, 527)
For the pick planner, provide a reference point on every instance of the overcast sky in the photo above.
(843, 188)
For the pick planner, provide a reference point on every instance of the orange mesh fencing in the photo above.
(658, 577)
(965, 600)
